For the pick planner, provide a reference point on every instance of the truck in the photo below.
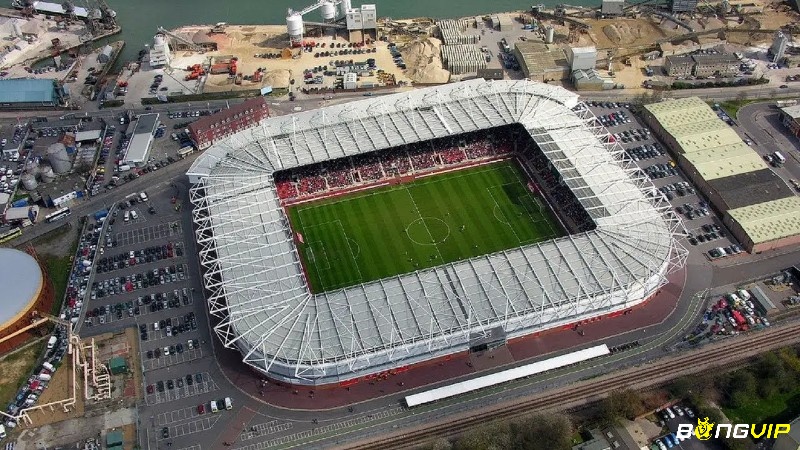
(100, 214)
(51, 342)
(779, 158)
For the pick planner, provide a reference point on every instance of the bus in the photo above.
(10, 234)
(58, 215)
(185, 151)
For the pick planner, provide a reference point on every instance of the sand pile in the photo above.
(278, 79)
(423, 61)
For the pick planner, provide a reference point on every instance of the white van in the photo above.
(127, 216)
(52, 342)
(214, 406)
(744, 294)
(228, 403)
(779, 156)
(143, 196)
(2, 432)
(134, 215)
(49, 367)
(155, 326)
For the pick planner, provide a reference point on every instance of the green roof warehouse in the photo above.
(28, 93)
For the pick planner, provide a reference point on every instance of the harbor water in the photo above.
(140, 18)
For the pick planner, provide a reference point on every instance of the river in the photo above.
(140, 18)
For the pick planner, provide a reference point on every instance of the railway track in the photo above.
(661, 370)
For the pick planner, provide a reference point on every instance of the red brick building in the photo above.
(209, 129)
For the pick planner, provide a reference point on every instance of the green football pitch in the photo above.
(398, 229)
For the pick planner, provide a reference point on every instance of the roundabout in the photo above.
(428, 231)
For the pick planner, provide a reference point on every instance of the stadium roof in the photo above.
(721, 162)
(21, 279)
(255, 274)
(139, 147)
(770, 220)
(27, 90)
(750, 188)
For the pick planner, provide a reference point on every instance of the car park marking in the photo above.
(173, 359)
(195, 426)
(178, 415)
(170, 395)
(147, 234)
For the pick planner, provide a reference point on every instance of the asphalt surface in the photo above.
(254, 423)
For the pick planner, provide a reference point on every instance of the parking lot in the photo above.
(705, 229)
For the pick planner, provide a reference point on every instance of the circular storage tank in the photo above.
(550, 35)
(28, 181)
(294, 25)
(158, 40)
(59, 159)
(47, 174)
(328, 11)
(23, 284)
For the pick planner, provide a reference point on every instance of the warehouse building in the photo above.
(542, 62)
(210, 129)
(679, 66)
(702, 66)
(790, 116)
(581, 58)
(139, 148)
(756, 205)
(590, 80)
(24, 93)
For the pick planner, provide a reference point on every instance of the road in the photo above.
(762, 123)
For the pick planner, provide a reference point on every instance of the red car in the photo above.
(201, 409)
(150, 388)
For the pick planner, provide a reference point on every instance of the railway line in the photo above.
(659, 371)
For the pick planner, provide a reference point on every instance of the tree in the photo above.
(542, 432)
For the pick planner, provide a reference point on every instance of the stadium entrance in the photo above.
(486, 340)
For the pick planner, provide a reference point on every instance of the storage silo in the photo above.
(47, 174)
(328, 11)
(550, 34)
(345, 6)
(28, 181)
(105, 54)
(17, 29)
(294, 25)
(57, 155)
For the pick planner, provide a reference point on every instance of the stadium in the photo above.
(28, 296)
(345, 242)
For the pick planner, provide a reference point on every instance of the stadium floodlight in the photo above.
(254, 275)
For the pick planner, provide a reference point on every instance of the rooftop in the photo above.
(205, 122)
(21, 279)
(718, 58)
(751, 188)
(541, 58)
(770, 220)
(721, 162)
(27, 90)
(792, 111)
(139, 146)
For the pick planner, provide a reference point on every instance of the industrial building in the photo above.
(160, 55)
(209, 129)
(27, 293)
(790, 117)
(542, 62)
(702, 65)
(138, 150)
(350, 80)
(30, 93)
(590, 80)
(612, 8)
(291, 335)
(361, 23)
(581, 58)
(758, 207)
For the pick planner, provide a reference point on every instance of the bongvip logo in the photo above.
(704, 428)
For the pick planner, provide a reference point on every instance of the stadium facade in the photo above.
(253, 273)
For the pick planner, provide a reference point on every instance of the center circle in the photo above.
(428, 231)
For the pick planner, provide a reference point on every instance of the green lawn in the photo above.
(431, 221)
(778, 408)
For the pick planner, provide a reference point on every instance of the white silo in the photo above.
(550, 35)
(28, 181)
(158, 40)
(59, 159)
(328, 11)
(17, 29)
(47, 174)
(294, 25)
